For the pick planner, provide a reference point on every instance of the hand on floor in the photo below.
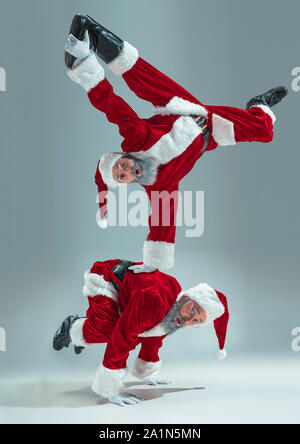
(78, 48)
(158, 381)
(124, 399)
(141, 268)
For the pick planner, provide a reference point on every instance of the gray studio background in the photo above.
(224, 52)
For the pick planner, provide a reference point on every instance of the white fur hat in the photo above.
(106, 164)
(215, 305)
(208, 299)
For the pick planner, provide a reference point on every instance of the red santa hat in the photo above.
(215, 305)
(104, 179)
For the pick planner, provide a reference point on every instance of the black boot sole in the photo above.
(78, 31)
(62, 335)
(282, 90)
(110, 46)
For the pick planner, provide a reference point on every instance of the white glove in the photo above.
(78, 48)
(124, 399)
(142, 268)
(157, 381)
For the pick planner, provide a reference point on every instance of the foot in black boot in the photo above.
(104, 43)
(270, 98)
(62, 336)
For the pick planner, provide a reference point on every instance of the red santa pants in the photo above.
(253, 125)
(102, 316)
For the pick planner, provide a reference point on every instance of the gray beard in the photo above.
(148, 166)
(168, 321)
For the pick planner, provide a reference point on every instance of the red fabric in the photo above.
(144, 301)
(221, 323)
(141, 134)
(150, 347)
(102, 192)
(162, 221)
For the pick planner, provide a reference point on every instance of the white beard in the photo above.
(168, 323)
(148, 166)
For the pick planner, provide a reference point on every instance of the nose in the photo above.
(137, 172)
(188, 321)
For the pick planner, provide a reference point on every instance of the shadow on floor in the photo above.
(73, 394)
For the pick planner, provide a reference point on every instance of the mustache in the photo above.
(148, 168)
(169, 320)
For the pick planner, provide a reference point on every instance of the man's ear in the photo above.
(184, 298)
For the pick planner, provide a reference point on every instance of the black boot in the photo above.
(104, 43)
(62, 336)
(270, 98)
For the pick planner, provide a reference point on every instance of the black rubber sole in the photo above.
(62, 337)
(78, 32)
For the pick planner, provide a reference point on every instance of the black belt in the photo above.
(205, 133)
(120, 270)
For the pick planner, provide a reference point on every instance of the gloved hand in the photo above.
(157, 381)
(78, 48)
(142, 268)
(124, 399)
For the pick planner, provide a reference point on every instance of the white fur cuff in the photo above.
(107, 382)
(125, 61)
(158, 254)
(223, 131)
(182, 107)
(88, 73)
(76, 333)
(143, 369)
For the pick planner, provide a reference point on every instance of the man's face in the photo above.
(125, 170)
(184, 313)
(191, 313)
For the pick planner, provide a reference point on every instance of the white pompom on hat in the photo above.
(215, 305)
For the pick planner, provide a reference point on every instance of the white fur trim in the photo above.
(101, 222)
(107, 382)
(125, 61)
(184, 131)
(267, 110)
(88, 73)
(221, 354)
(76, 333)
(143, 369)
(206, 296)
(158, 254)
(182, 107)
(99, 287)
(106, 164)
(223, 130)
(158, 330)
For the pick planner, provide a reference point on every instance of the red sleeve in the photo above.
(159, 245)
(141, 314)
(104, 268)
(117, 111)
(150, 347)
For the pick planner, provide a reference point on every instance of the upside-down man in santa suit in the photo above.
(160, 151)
(127, 309)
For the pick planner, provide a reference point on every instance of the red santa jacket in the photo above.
(176, 143)
(143, 301)
(174, 139)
